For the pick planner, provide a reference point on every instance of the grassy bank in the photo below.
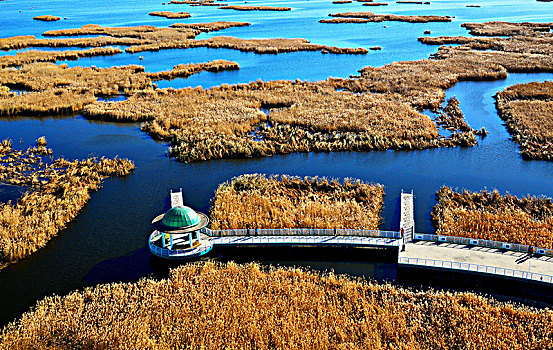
(210, 306)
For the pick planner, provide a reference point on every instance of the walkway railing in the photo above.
(481, 243)
(500, 271)
(168, 253)
(306, 240)
(302, 232)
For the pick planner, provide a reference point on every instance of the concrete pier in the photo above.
(478, 259)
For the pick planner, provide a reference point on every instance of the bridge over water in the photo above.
(414, 249)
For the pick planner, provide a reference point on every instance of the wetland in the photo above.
(85, 109)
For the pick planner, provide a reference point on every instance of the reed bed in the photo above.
(140, 32)
(33, 56)
(199, 3)
(58, 191)
(452, 118)
(148, 38)
(211, 26)
(372, 17)
(50, 102)
(259, 46)
(186, 70)
(527, 110)
(227, 122)
(99, 81)
(169, 14)
(47, 18)
(423, 83)
(216, 306)
(254, 8)
(488, 215)
(260, 201)
(345, 20)
(21, 42)
(497, 28)
(523, 38)
(57, 89)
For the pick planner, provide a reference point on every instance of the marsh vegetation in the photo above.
(260, 201)
(227, 121)
(47, 18)
(214, 306)
(373, 17)
(57, 191)
(527, 109)
(489, 215)
(169, 14)
(255, 8)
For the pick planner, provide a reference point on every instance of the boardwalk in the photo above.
(176, 199)
(304, 237)
(478, 259)
(327, 241)
(451, 253)
(407, 218)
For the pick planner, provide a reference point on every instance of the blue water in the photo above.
(107, 242)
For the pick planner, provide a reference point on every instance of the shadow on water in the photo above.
(10, 193)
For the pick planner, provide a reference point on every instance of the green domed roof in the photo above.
(180, 217)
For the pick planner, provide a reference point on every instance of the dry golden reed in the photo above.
(57, 192)
(33, 56)
(186, 70)
(169, 14)
(227, 121)
(488, 215)
(47, 18)
(498, 28)
(332, 115)
(255, 8)
(148, 38)
(211, 26)
(216, 306)
(527, 111)
(373, 17)
(452, 119)
(260, 201)
(55, 89)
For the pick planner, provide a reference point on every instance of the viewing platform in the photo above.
(499, 262)
(181, 233)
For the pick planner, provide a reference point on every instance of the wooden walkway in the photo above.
(407, 217)
(318, 241)
(176, 199)
(414, 250)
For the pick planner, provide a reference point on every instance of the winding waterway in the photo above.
(107, 241)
